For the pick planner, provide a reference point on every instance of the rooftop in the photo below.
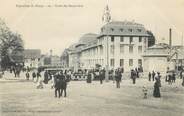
(88, 38)
(32, 53)
(124, 28)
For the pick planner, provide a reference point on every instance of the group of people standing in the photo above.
(58, 80)
(61, 78)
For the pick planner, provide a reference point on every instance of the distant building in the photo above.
(65, 58)
(161, 58)
(32, 58)
(55, 60)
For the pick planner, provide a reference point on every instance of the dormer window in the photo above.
(121, 30)
(112, 29)
(139, 30)
(101, 29)
(130, 30)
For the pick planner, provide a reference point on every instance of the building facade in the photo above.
(32, 58)
(120, 44)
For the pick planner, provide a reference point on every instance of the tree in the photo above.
(11, 46)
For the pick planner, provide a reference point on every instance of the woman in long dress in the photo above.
(157, 85)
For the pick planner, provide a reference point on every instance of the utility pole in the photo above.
(106, 19)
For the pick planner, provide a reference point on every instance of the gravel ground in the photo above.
(19, 97)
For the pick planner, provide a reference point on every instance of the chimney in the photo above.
(170, 37)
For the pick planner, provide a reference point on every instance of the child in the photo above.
(144, 90)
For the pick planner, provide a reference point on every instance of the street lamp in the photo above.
(107, 18)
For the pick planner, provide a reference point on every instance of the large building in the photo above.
(120, 44)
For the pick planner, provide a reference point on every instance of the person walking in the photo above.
(46, 77)
(63, 85)
(118, 78)
(181, 74)
(149, 76)
(27, 75)
(153, 75)
(183, 81)
(134, 76)
(173, 77)
(170, 79)
(102, 76)
(33, 76)
(156, 91)
(88, 80)
(57, 85)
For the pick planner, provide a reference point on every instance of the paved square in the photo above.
(21, 98)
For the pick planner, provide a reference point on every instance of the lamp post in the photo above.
(107, 18)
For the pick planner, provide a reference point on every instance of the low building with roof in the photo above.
(161, 58)
(32, 58)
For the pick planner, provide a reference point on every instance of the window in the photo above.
(122, 48)
(112, 38)
(130, 62)
(131, 39)
(112, 29)
(121, 39)
(121, 62)
(130, 30)
(102, 29)
(139, 30)
(140, 39)
(140, 62)
(101, 50)
(130, 49)
(139, 49)
(121, 30)
(112, 49)
(112, 62)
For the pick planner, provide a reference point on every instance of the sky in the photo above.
(57, 28)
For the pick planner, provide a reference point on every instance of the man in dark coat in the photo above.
(46, 77)
(173, 77)
(181, 74)
(149, 75)
(89, 77)
(118, 78)
(134, 76)
(153, 75)
(38, 75)
(63, 85)
(183, 82)
(33, 75)
(102, 76)
(57, 86)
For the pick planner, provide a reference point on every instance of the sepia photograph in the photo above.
(91, 58)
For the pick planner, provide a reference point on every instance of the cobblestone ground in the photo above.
(19, 97)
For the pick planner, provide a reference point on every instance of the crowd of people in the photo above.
(60, 78)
